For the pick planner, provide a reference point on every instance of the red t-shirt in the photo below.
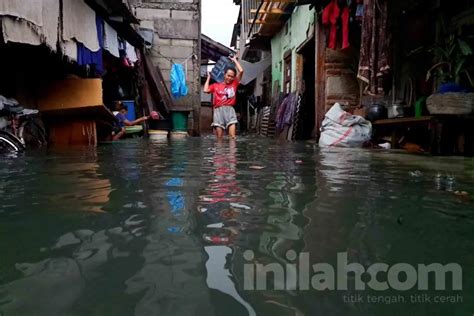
(224, 94)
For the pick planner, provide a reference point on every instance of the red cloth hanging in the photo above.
(330, 16)
(345, 27)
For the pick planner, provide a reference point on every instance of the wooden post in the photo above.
(320, 82)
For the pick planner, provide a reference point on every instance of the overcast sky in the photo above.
(218, 19)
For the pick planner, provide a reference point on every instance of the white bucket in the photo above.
(178, 135)
(158, 135)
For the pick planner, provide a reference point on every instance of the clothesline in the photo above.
(172, 60)
(185, 62)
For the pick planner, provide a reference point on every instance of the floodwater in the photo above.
(189, 227)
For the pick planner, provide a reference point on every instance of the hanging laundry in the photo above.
(345, 27)
(131, 53)
(18, 31)
(375, 47)
(26, 10)
(178, 81)
(23, 23)
(87, 57)
(69, 49)
(50, 30)
(330, 16)
(286, 111)
(79, 24)
(111, 43)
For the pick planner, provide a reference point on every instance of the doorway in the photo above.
(306, 121)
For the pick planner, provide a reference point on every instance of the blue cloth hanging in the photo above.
(178, 81)
(87, 57)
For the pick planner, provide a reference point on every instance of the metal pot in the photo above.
(376, 112)
(395, 110)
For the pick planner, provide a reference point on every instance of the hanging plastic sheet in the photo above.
(178, 81)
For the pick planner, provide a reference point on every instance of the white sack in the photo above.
(342, 129)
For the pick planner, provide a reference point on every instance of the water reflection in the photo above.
(241, 209)
(138, 228)
(219, 208)
(171, 280)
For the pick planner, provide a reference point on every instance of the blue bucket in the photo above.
(217, 72)
(130, 104)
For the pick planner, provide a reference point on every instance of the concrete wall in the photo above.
(176, 24)
(299, 27)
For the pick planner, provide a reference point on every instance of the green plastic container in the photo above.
(419, 105)
(180, 121)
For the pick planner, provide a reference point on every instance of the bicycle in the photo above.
(20, 127)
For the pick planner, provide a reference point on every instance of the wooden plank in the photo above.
(98, 113)
(320, 82)
(404, 120)
(157, 84)
(79, 132)
(299, 73)
(271, 11)
(264, 22)
(280, 1)
(71, 94)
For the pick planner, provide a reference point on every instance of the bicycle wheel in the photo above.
(33, 133)
(10, 143)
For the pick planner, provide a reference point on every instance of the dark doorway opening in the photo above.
(306, 119)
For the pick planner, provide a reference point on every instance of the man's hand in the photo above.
(206, 84)
(240, 70)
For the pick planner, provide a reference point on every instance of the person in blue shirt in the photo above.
(122, 121)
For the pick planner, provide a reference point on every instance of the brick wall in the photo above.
(341, 82)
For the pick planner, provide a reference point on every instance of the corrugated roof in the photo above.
(213, 50)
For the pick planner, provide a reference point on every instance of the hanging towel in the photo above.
(178, 81)
(18, 31)
(79, 24)
(27, 10)
(87, 57)
(111, 40)
(50, 30)
(131, 53)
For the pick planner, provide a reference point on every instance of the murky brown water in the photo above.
(140, 228)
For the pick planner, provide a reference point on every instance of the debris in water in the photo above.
(416, 173)
(299, 161)
(257, 167)
(463, 196)
(400, 220)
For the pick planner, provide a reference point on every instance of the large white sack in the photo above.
(342, 129)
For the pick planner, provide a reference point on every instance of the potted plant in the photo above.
(450, 69)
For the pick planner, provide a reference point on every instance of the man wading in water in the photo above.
(224, 98)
